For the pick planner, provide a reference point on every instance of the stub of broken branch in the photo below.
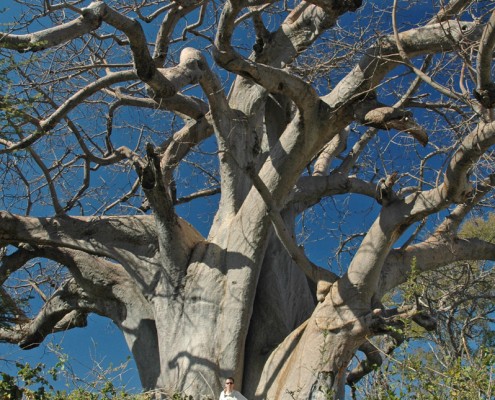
(486, 95)
(384, 189)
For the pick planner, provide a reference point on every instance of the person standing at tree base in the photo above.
(229, 393)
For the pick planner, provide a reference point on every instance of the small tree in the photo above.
(137, 121)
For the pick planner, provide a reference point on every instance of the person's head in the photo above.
(229, 385)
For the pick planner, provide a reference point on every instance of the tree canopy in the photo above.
(187, 168)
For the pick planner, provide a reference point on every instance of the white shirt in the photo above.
(235, 395)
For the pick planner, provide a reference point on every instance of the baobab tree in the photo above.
(117, 113)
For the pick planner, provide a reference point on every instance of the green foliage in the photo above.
(483, 229)
(412, 286)
(30, 383)
(419, 374)
(9, 388)
(34, 382)
(178, 396)
(37, 383)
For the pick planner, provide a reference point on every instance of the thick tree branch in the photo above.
(310, 190)
(443, 246)
(165, 32)
(457, 186)
(229, 126)
(169, 23)
(64, 310)
(94, 275)
(430, 255)
(89, 21)
(424, 77)
(182, 105)
(300, 29)
(143, 62)
(373, 67)
(156, 175)
(10, 263)
(174, 242)
(451, 9)
(115, 293)
(485, 88)
(98, 286)
(180, 145)
(115, 237)
(273, 80)
(448, 228)
(303, 25)
(331, 150)
(379, 60)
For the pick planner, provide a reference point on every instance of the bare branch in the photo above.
(182, 105)
(457, 186)
(485, 88)
(429, 255)
(198, 194)
(78, 233)
(449, 227)
(53, 317)
(310, 190)
(49, 123)
(89, 21)
(331, 150)
(379, 60)
(180, 144)
(425, 78)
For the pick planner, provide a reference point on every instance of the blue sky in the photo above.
(98, 347)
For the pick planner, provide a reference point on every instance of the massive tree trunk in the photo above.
(244, 300)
